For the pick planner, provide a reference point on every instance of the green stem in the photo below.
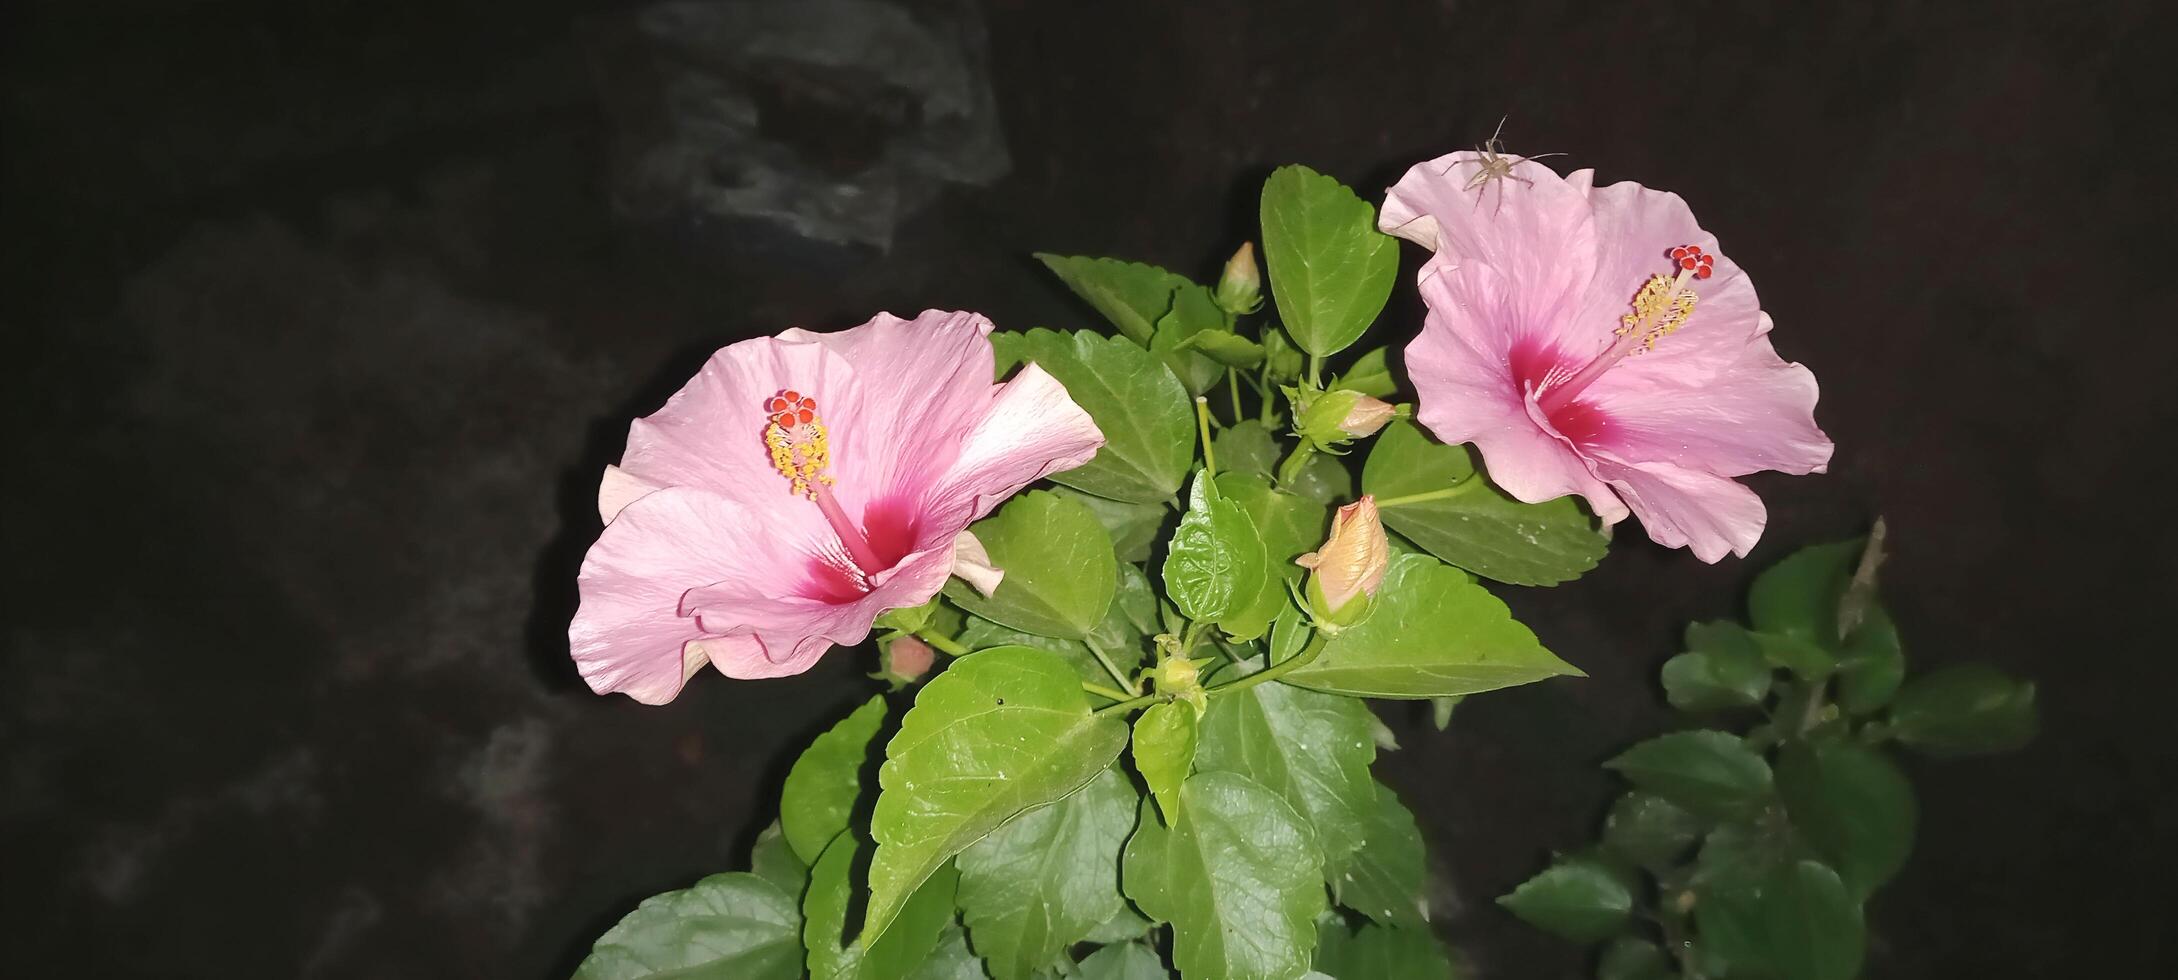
(1315, 371)
(1202, 429)
(1232, 388)
(1289, 471)
(1428, 495)
(946, 644)
(1280, 669)
(1105, 692)
(1111, 668)
(1129, 705)
(1263, 395)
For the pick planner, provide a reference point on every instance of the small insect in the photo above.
(1497, 167)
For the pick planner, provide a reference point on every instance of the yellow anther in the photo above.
(801, 453)
(1659, 309)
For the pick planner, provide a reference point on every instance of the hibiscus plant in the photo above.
(1132, 589)
(1749, 853)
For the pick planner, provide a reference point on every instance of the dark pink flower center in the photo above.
(800, 449)
(1540, 368)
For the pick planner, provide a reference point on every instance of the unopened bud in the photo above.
(1367, 415)
(1240, 289)
(1181, 678)
(1349, 568)
(907, 658)
(1336, 416)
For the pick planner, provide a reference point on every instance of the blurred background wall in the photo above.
(321, 318)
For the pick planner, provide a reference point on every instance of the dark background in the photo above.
(321, 319)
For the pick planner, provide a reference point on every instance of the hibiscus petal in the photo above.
(922, 384)
(1635, 230)
(972, 563)
(1757, 414)
(710, 434)
(1031, 429)
(1462, 364)
(628, 634)
(795, 631)
(617, 489)
(1531, 225)
(1688, 508)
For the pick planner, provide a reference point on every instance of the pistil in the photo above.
(801, 452)
(1660, 308)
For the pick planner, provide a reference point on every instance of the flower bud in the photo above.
(1348, 569)
(1367, 415)
(1240, 289)
(907, 659)
(1181, 678)
(1341, 414)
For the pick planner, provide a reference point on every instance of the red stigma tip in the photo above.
(1688, 263)
(776, 405)
(809, 403)
(805, 415)
(791, 395)
(782, 420)
(1703, 274)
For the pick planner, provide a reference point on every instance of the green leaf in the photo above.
(1437, 497)
(1214, 566)
(1369, 375)
(1708, 772)
(773, 859)
(897, 948)
(1146, 417)
(1650, 831)
(1282, 362)
(1717, 677)
(1873, 665)
(1808, 660)
(1226, 347)
(1433, 633)
(1040, 883)
(1125, 961)
(1381, 953)
(1631, 958)
(1324, 479)
(1238, 875)
(1127, 926)
(1246, 447)
(1289, 527)
(952, 960)
(1165, 737)
(1131, 616)
(1131, 295)
(733, 926)
(1329, 268)
(826, 781)
(1798, 597)
(1741, 853)
(1060, 570)
(1195, 316)
(1312, 749)
(1134, 528)
(1581, 899)
(1796, 924)
(998, 732)
(1969, 709)
(1853, 805)
(1385, 879)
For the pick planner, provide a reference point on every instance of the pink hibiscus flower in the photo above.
(800, 486)
(1594, 341)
